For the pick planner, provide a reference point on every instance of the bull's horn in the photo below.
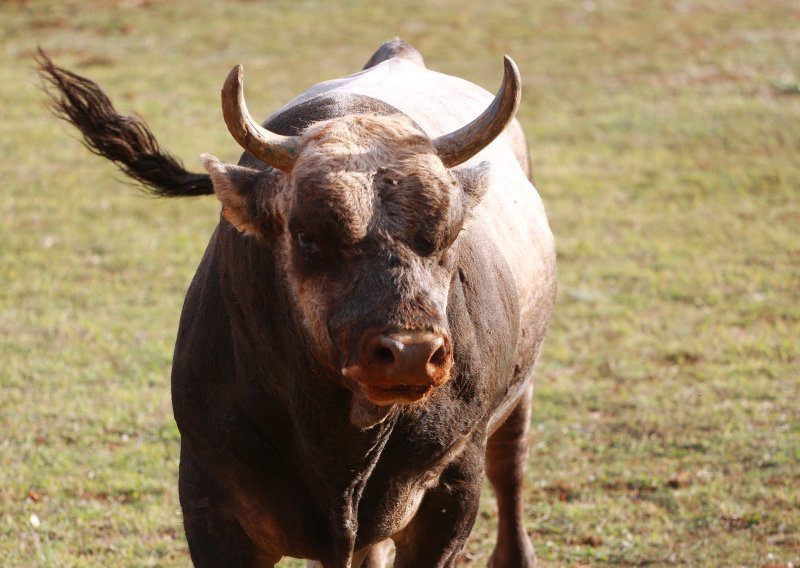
(459, 146)
(274, 149)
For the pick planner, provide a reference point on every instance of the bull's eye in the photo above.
(423, 244)
(306, 243)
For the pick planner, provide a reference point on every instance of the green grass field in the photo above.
(665, 140)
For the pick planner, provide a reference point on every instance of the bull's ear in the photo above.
(247, 195)
(475, 181)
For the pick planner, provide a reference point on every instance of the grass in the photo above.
(665, 144)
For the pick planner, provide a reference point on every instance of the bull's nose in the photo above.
(410, 358)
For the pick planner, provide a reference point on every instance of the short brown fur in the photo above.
(283, 453)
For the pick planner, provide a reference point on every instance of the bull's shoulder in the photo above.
(484, 310)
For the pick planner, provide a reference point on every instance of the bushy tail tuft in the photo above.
(124, 140)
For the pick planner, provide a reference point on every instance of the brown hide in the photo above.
(275, 461)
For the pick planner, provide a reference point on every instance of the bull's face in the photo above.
(366, 227)
(364, 214)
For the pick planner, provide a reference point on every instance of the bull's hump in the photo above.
(423, 95)
(293, 119)
(396, 48)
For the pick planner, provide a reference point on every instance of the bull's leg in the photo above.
(378, 555)
(440, 529)
(213, 540)
(372, 557)
(506, 456)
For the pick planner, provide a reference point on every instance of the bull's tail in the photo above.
(124, 140)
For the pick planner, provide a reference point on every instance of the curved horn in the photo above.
(274, 149)
(459, 146)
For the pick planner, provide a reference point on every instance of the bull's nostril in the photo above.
(439, 357)
(383, 355)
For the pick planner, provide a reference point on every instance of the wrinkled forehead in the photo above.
(349, 169)
(361, 143)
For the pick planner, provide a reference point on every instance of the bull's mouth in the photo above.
(396, 394)
(382, 393)
(372, 404)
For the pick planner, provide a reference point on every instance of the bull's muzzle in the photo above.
(401, 367)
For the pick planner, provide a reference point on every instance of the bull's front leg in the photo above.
(441, 527)
(358, 560)
(215, 539)
(506, 457)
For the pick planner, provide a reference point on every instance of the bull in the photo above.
(356, 349)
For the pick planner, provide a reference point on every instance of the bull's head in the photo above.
(364, 213)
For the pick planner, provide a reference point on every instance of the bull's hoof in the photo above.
(524, 558)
